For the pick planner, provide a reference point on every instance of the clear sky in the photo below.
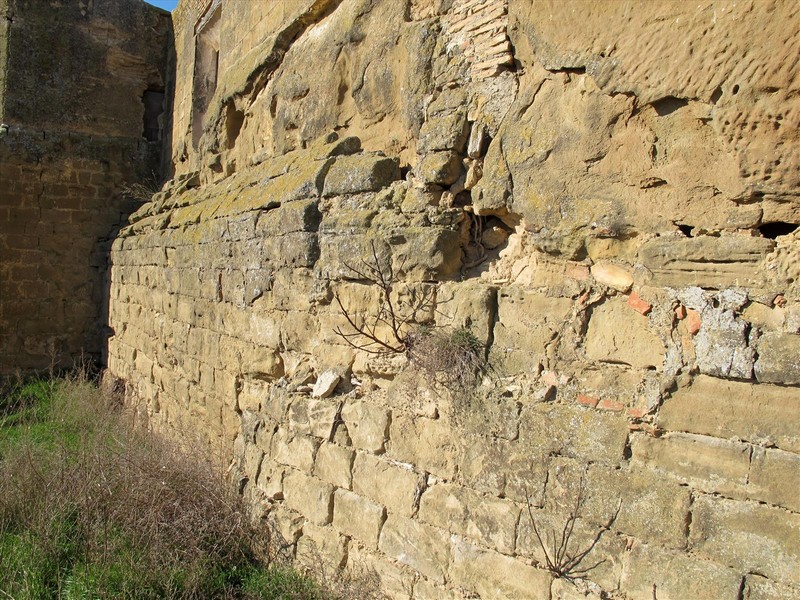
(165, 4)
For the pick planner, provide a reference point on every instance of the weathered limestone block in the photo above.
(389, 484)
(429, 444)
(493, 575)
(775, 478)
(367, 424)
(675, 576)
(396, 581)
(618, 334)
(429, 553)
(360, 173)
(356, 516)
(489, 521)
(334, 464)
(311, 416)
(311, 497)
(761, 414)
(778, 359)
(708, 463)
(718, 262)
(573, 431)
(747, 536)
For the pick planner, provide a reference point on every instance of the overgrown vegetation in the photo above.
(91, 507)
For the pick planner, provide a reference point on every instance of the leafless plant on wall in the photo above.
(387, 330)
(562, 559)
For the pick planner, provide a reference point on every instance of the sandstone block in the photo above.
(311, 416)
(367, 424)
(441, 168)
(761, 414)
(502, 468)
(311, 497)
(302, 215)
(615, 335)
(674, 576)
(321, 544)
(775, 478)
(747, 536)
(356, 516)
(761, 588)
(573, 431)
(779, 359)
(429, 444)
(489, 521)
(360, 173)
(651, 509)
(708, 463)
(496, 576)
(421, 547)
(612, 275)
(334, 465)
(721, 262)
(391, 485)
(294, 450)
(325, 384)
(443, 132)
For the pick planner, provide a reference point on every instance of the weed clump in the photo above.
(454, 358)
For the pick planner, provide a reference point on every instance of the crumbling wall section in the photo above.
(575, 193)
(75, 132)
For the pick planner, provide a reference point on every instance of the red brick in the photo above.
(636, 413)
(636, 303)
(612, 405)
(693, 321)
(589, 401)
(680, 312)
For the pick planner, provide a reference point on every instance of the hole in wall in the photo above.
(776, 229)
(668, 105)
(686, 230)
(716, 95)
(234, 119)
(735, 89)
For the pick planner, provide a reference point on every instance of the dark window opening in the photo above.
(686, 230)
(153, 101)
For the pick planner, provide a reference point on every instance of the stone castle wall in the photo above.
(604, 195)
(73, 76)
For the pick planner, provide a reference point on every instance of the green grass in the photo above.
(91, 508)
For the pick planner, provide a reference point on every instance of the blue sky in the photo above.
(165, 4)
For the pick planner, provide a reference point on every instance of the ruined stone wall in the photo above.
(604, 195)
(74, 78)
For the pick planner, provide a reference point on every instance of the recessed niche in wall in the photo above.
(153, 101)
(206, 67)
